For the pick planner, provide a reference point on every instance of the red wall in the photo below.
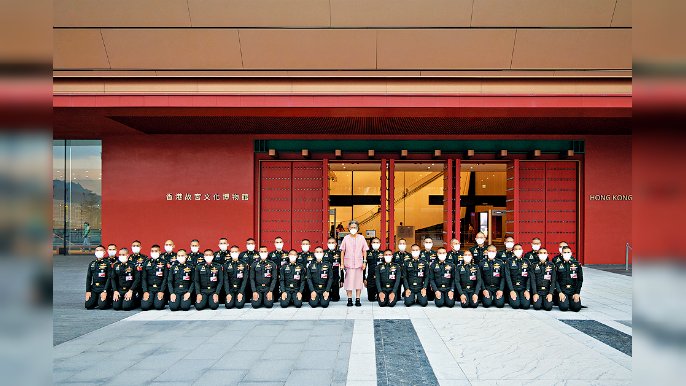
(138, 172)
(607, 223)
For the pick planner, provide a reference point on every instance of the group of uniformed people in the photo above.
(126, 279)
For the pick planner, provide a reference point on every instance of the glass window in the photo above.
(355, 193)
(77, 195)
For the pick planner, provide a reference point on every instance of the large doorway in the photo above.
(483, 194)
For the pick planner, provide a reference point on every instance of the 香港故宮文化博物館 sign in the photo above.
(207, 197)
(610, 197)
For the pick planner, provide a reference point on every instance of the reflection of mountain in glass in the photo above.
(79, 194)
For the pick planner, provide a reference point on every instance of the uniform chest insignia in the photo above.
(202, 269)
(268, 266)
(462, 268)
(213, 270)
(448, 268)
(485, 265)
(241, 266)
(128, 270)
(298, 269)
(382, 268)
(525, 265)
(393, 269)
(420, 265)
(101, 266)
(325, 266)
(287, 269)
(562, 266)
(573, 266)
(514, 264)
(496, 265)
(473, 269)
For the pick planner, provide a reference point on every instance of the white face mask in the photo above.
(223, 247)
(509, 245)
(542, 257)
(518, 253)
(136, 249)
(263, 255)
(467, 259)
(415, 253)
(480, 241)
(376, 246)
(353, 231)
(428, 245)
(123, 259)
(332, 246)
(99, 254)
(181, 259)
(111, 253)
(154, 255)
(319, 255)
(305, 248)
(168, 248)
(234, 255)
(209, 259)
(250, 247)
(292, 258)
(442, 256)
(456, 247)
(491, 255)
(535, 247)
(566, 256)
(195, 249)
(387, 258)
(402, 247)
(278, 246)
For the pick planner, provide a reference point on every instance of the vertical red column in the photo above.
(561, 204)
(448, 212)
(391, 204)
(512, 201)
(456, 200)
(325, 201)
(384, 195)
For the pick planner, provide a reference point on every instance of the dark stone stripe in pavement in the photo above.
(627, 323)
(70, 318)
(606, 334)
(400, 357)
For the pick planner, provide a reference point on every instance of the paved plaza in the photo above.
(342, 345)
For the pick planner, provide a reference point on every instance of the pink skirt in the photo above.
(353, 279)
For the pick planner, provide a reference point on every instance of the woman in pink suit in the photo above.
(353, 250)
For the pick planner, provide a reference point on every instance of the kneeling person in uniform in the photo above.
(208, 282)
(570, 277)
(468, 282)
(492, 279)
(180, 283)
(263, 278)
(517, 276)
(443, 280)
(98, 280)
(388, 276)
(236, 277)
(543, 282)
(415, 279)
(154, 279)
(125, 281)
(319, 280)
(292, 278)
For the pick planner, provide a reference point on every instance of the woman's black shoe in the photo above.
(350, 302)
(357, 303)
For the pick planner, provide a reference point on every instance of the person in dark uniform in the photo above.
(125, 281)
(532, 255)
(136, 257)
(236, 278)
(507, 253)
(98, 281)
(112, 254)
(169, 256)
(568, 282)
(543, 278)
(455, 254)
(319, 280)
(442, 279)
(263, 278)
(429, 256)
(415, 279)
(292, 280)
(492, 279)
(402, 254)
(250, 255)
(517, 276)
(180, 283)
(154, 280)
(280, 258)
(388, 275)
(222, 255)
(305, 258)
(209, 279)
(195, 257)
(333, 257)
(468, 282)
(479, 249)
(374, 258)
